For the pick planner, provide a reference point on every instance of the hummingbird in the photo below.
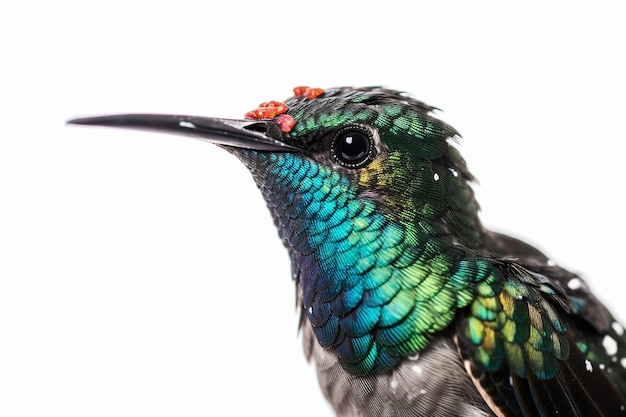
(408, 305)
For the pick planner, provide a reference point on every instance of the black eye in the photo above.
(353, 146)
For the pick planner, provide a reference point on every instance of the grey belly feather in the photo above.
(431, 384)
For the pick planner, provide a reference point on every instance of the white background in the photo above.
(141, 274)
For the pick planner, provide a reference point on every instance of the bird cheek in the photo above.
(371, 175)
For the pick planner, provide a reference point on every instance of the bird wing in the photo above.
(535, 346)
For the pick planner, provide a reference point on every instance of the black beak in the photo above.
(247, 134)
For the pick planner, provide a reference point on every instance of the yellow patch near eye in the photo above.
(371, 173)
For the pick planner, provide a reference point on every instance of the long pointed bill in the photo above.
(247, 134)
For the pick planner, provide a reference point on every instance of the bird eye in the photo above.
(353, 146)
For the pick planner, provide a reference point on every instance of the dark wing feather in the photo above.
(556, 346)
(495, 387)
(575, 390)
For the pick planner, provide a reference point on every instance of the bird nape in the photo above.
(409, 306)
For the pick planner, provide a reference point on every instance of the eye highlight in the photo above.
(353, 146)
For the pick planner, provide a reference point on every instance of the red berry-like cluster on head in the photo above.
(277, 109)
(267, 110)
(286, 122)
(271, 109)
(308, 92)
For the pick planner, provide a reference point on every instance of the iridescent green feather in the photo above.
(513, 322)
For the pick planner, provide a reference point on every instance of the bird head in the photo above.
(368, 193)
